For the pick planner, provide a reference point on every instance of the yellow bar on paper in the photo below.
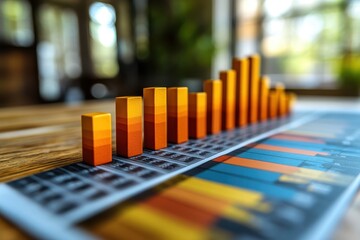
(254, 78)
(197, 115)
(228, 98)
(264, 98)
(213, 89)
(155, 118)
(241, 66)
(96, 138)
(177, 114)
(129, 126)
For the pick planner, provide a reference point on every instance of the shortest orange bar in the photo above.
(273, 104)
(197, 115)
(96, 138)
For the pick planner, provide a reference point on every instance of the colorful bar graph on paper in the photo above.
(129, 126)
(273, 104)
(264, 98)
(241, 66)
(155, 118)
(197, 115)
(177, 114)
(228, 98)
(96, 138)
(213, 89)
(254, 78)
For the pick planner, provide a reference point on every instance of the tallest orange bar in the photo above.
(155, 118)
(241, 67)
(254, 84)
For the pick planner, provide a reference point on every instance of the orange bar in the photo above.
(289, 150)
(273, 106)
(290, 101)
(129, 126)
(281, 98)
(264, 98)
(250, 163)
(197, 115)
(96, 138)
(241, 66)
(213, 89)
(254, 78)
(155, 129)
(228, 99)
(177, 114)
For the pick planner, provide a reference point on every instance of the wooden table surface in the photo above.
(37, 138)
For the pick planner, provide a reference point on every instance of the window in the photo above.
(16, 22)
(303, 42)
(58, 50)
(103, 40)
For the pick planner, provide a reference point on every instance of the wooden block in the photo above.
(177, 114)
(96, 138)
(241, 66)
(129, 126)
(213, 89)
(228, 98)
(264, 98)
(197, 115)
(273, 104)
(254, 79)
(155, 118)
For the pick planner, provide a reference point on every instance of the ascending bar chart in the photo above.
(177, 114)
(155, 118)
(162, 115)
(197, 115)
(129, 126)
(96, 137)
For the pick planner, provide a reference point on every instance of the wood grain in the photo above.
(38, 138)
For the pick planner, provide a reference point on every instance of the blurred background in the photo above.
(73, 50)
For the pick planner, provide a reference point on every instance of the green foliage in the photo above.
(181, 40)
